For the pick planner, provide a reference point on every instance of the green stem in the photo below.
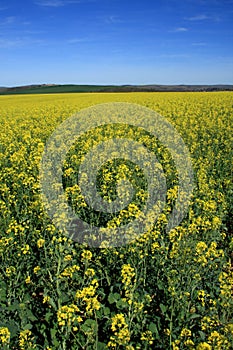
(57, 282)
(171, 325)
(96, 336)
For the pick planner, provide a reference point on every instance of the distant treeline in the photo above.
(54, 88)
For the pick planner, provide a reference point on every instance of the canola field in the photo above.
(163, 289)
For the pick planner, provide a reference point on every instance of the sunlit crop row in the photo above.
(163, 289)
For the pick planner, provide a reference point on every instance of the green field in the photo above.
(164, 289)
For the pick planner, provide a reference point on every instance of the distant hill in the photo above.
(55, 88)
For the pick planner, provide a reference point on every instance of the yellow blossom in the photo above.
(40, 243)
(127, 273)
(36, 269)
(4, 335)
(204, 346)
(28, 280)
(86, 255)
(46, 299)
(26, 340)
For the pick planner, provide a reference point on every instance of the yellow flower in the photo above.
(67, 314)
(40, 243)
(208, 323)
(90, 272)
(86, 255)
(185, 333)
(155, 246)
(204, 346)
(216, 223)
(69, 271)
(201, 247)
(175, 344)
(68, 258)
(87, 295)
(36, 269)
(68, 172)
(218, 341)
(92, 304)
(10, 270)
(167, 331)
(229, 328)
(46, 299)
(118, 321)
(25, 340)
(201, 296)
(127, 273)
(4, 335)
(87, 291)
(147, 337)
(189, 343)
(28, 280)
(25, 249)
(120, 329)
(112, 344)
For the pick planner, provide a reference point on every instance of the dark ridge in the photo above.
(56, 88)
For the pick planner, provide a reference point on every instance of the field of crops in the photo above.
(164, 289)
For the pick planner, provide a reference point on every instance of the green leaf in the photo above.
(153, 328)
(160, 285)
(202, 335)
(90, 322)
(163, 308)
(14, 307)
(27, 326)
(89, 326)
(48, 316)
(30, 316)
(101, 346)
(194, 316)
(55, 342)
(13, 328)
(113, 297)
(52, 303)
(3, 289)
(106, 311)
(120, 304)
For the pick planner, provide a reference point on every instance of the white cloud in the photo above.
(18, 42)
(113, 19)
(8, 20)
(7, 43)
(174, 55)
(199, 44)
(198, 18)
(50, 3)
(180, 29)
(55, 3)
(76, 40)
(34, 32)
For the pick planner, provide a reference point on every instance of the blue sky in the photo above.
(116, 42)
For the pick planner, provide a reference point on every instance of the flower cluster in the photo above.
(127, 273)
(4, 335)
(88, 297)
(26, 340)
(121, 332)
(68, 315)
